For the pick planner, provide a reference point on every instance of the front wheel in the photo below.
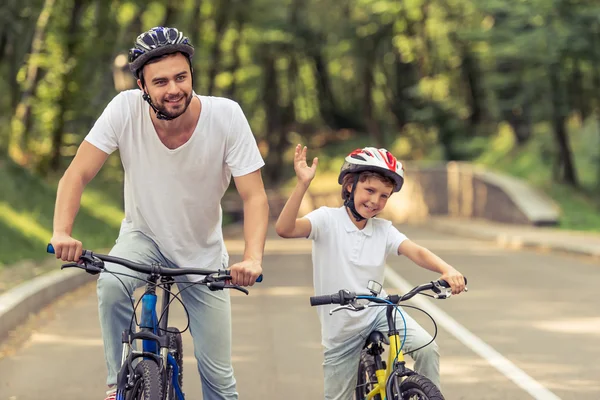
(148, 382)
(176, 350)
(366, 377)
(417, 387)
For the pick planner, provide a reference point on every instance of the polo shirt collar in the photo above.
(350, 227)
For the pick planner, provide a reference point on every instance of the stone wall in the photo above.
(458, 190)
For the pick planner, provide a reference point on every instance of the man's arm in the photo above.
(84, 167)
(256, 218)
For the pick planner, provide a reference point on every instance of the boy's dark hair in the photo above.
(362, 177)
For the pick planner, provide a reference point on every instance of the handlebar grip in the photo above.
(445, 284)
(325, 299)
(50, 249)
(228, 272)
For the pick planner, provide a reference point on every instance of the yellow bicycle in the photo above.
(377, 379)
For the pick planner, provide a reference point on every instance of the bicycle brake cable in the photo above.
(434, 326)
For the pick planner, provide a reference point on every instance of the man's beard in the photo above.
(161, 107)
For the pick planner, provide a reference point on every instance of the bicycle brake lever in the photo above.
(241, 289)
(72, 265)
(214, 286)
(446, 295)
(350, 306)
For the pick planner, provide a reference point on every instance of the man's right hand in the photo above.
(66, 248)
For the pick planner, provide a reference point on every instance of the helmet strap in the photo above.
(349, 202)
(159, 114)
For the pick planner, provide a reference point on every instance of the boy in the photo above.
(350, 248)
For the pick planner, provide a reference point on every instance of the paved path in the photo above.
(538, 310)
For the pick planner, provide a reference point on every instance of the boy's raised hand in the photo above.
(304, 173)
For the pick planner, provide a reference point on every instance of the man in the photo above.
(179, 151)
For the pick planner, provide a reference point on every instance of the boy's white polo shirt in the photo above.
(345, 257)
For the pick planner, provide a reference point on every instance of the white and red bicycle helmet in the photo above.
(376, 160)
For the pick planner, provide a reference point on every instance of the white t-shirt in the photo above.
(345, 257)
(173, 196)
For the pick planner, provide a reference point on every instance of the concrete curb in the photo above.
(515, 241)
(30, 297)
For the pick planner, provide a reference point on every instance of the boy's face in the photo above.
(371, 196)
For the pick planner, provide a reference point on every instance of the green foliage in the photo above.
(27, 209)
(430, 79)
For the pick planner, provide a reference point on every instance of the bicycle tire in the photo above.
(148, 384)
(418, 387)
(176, 349)
(366, 378)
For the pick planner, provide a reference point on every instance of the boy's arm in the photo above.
(287, 225)
(428, 260)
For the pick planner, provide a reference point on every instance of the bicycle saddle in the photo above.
(376, 338)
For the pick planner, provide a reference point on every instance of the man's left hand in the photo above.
(246, 272)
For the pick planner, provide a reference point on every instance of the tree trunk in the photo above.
(170, 19)
(577, 92)
(515, 110)
(72, 36)
(270, 96)
(221, 21)
(566, 165)
(476, 96)
(372, 125)
(235, 50)
(21, 120)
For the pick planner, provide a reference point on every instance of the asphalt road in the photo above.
(529, 324)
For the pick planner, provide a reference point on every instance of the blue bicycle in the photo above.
(156, 372)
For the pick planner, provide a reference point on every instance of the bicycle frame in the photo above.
(155, 343)
(395, 363)
(152, 331)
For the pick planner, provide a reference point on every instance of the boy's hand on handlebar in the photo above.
(455, 279)
(246, 272)
(66, 248)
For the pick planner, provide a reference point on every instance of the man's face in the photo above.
(169, 83)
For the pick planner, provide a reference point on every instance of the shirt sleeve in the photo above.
(107, 129)
(242, 155)
(394, 240)
(318, 221)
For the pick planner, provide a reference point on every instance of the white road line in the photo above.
(495, 359)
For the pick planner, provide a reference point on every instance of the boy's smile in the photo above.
(370, 198)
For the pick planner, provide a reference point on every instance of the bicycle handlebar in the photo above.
(344, 297)
(152, 269)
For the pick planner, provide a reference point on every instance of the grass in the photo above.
(580, 208)
(27, 209)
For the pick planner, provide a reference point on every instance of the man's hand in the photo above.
(455, 279)
(246, 272)
(66, 248)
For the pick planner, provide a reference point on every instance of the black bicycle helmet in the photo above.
(157, 42)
